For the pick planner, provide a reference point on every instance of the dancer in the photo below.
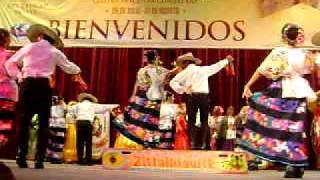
(57, 130)
(193, 81)
(33, 66)
(8, 91)
(85, 112)
(139, 124)
(315, 128)
(8, 98)
(276, 116)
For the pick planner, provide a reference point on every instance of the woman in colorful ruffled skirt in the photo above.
(139, 124)
(315, 128)
(275, 129)
(8, 99)
(8, 91)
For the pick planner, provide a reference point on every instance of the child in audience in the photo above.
(181, 137)
(70, 147)
(227, 130)
(214, 119)
(168, 116)
(85, 112)
(241, 121)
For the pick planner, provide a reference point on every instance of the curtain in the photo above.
(111, 72)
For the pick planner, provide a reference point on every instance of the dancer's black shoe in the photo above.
(38, 165)
(22, 163)
(294, 172)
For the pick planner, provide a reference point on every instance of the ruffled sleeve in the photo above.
(143, 78)
(274, 64)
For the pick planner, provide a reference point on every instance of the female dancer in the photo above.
(139, 124)
(276, 116)
(8, 90)
(8, 98)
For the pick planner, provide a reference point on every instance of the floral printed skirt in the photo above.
(7, 109)
(315, 135)
(140, 123)
(275, 127)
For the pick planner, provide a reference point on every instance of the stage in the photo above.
(96, 172)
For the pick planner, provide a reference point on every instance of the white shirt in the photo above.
(86, 110)
(213, 121)
(196, 77)
(57, 116)
(39, 59)
(231, 131)
(152, 77)
(168, 113)
(57, 111)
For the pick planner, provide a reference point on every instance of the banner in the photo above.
(162, 23)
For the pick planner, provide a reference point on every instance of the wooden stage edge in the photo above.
(224, 162)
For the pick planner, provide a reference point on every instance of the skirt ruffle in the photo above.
(275, 127)
(7, 120)
(140, 124)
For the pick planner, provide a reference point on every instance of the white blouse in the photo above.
(153, 77)
(294, 85)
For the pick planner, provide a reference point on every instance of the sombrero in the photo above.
(316, 39)
(313, 104)
(87, 96)
(187, 57)
(38, 29)
(72, 103)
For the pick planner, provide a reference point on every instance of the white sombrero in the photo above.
(38, 29)
(187, 57)
(316, 39)
(87, 96)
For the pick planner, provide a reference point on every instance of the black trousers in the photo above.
(84, 141)
(199, 137)
(35, 98)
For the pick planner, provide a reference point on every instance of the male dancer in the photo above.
(193, 80)
(33, 66)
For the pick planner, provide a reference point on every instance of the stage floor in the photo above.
(72, 171)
